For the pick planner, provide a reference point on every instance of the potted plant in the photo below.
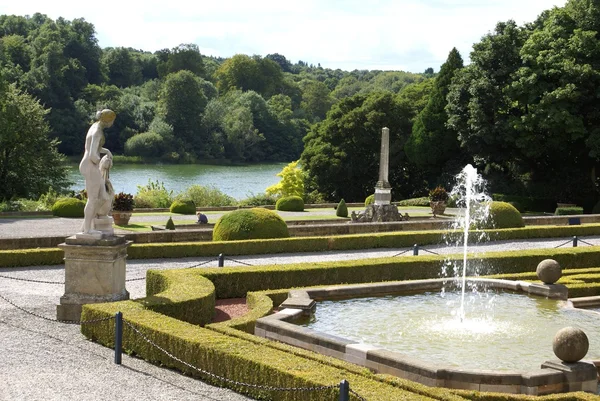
(122, 208)
(437, 200)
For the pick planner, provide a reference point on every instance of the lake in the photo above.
(237, 181)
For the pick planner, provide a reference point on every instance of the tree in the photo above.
(261, 75)
(316, 100)
(433, 144)
(291, 184)
(181, 103)
(29, 161)
(186, 56)
(341, 154)
(123, 69)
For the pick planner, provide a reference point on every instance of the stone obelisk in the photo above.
(383, 189)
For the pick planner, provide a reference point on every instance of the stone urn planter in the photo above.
(121, 218)
(437, 207)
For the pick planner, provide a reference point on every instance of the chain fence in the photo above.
(30, 280)
(231, 381)
(238, 261)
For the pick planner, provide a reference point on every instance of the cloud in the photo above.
(347, 34)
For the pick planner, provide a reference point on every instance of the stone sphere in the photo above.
(549, 271)
(570, 344)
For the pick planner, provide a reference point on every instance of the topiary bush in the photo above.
(68, 207)
(342, 209)
(290, 204)
(370, 200)
(503, 215)
(255, 223)
(565, 211)
(170, 225)
(183, 206)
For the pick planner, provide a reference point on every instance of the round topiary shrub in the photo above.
(370, 200)
(290, 204)
(342, 209)
(183, 206)
(503, 215)
(68, 207)
(252, 223)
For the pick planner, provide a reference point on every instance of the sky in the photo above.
(408, 35)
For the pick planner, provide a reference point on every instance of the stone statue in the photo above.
(95, 170)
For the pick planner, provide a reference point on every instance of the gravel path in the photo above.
(45, 360)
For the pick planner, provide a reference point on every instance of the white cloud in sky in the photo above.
(408, 35)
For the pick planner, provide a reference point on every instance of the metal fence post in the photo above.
(574, 241)
(221, 260)
(344, 390)
(415, 250)
(118, 337)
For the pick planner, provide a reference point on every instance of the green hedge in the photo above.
(567, 211)
(404, 239)
(290, 204)
(68, 207)
(183, 206)
(180, 294)
(245, 224)
(241, 360)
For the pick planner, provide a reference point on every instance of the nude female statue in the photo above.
(97, 185)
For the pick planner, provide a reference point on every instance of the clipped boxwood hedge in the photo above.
(290, 204)
(183, 206)
(404, 239)
(68, 207)
(255, 223)
(504, 215)
(567, 211)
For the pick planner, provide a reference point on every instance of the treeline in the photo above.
(174, 105)
(525, 112)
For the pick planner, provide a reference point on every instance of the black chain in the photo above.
(361, 398)
(568, 242)
(136, 279)
(31, 281)
(55, 320)
(202, 263)
(401, 253)
(427, 250)
(224, 379)
(237, 261)
(585, 242)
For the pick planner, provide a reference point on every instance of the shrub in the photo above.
(68, 207)
(370, 200)
(564, 211)
(503, 215)
(48, 199)
(123, 202)
(153, 195)
(424, 201)
(292, 181)
(255, 223)
(258, 200)
(183, 206)
(204, 196)
(170, 225)
(342, 209)
(290, 204)
(146, 145)
(439, 194)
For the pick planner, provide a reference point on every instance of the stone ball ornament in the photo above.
(570, 344)
(549, 271)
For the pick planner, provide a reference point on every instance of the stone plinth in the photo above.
(94, 272)
(383, 196)
(579, 376)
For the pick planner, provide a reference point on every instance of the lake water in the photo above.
(237, 181)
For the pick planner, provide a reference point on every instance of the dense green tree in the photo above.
(246, 73)
(123, 68)
(316, 99)
(341, 154)
(29, 161)
(432, 144)
(181, 103)
(283, 62)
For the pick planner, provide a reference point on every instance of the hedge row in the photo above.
(402, 239)
(238, 359)
(221, 349)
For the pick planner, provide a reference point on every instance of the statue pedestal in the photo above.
(94, 272)
(383, 196)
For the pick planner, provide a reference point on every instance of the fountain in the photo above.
(341, 329)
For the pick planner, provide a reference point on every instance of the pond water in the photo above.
(427, 326)
(236, 181)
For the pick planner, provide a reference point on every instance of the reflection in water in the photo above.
(501, 331)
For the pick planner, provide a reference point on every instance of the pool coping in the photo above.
(553, 376)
